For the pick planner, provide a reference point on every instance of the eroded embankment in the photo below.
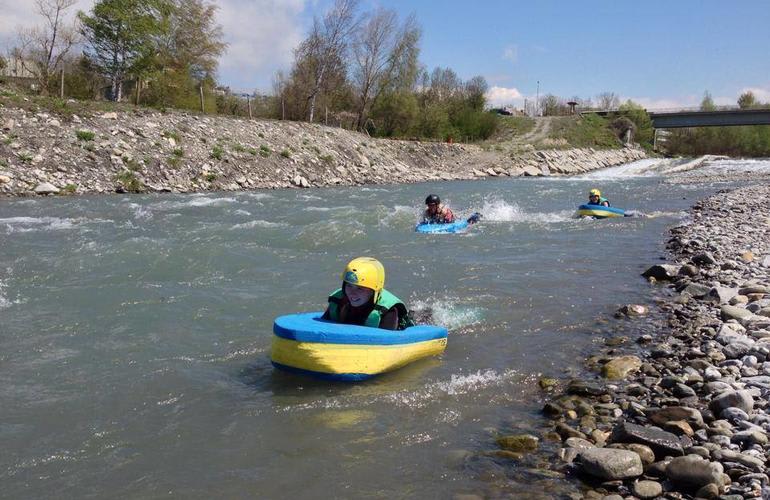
(146, 150)
(684, 412)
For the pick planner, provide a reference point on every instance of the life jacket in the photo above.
(601, 201)
(386, 302)
(443, 215)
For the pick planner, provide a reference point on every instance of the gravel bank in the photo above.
(150, 151)
(683, 412)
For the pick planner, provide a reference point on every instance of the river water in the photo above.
(135, 334)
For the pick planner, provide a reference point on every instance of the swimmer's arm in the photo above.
(389, 320)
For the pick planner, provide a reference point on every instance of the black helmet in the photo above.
(432, 198)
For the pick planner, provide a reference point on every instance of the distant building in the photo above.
(16, 68)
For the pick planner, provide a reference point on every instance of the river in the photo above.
(135, 334)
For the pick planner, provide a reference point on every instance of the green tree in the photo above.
(642, 131)
(707, 103)
(120, 38)
(747, 100)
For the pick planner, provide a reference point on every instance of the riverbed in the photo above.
(134, 347)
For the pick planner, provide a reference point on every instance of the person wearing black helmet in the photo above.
(436, 213)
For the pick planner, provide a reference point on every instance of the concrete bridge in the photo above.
(692, 118)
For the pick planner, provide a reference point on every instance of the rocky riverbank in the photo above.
(684, 411)
(145, 150)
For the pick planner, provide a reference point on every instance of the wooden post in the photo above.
(326, 118)
(248, 101)
(61, 90)
(283, 110)
(203, 108)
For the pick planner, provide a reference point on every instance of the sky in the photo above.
(661, 54)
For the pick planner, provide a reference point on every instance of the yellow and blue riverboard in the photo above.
(599, 211)
(305, 343)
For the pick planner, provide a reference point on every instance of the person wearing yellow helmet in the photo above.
(363, 299)
(595, 198)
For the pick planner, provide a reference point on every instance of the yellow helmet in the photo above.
(595, 192)
(366, 272)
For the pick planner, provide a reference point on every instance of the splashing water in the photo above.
(448, 313)
(497, 210)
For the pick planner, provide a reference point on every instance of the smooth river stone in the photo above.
(619, 368)
(737, 399)
(610, 463)
(694, 472)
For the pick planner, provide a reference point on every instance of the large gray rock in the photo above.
(610, 463)
(733, 312)
(697, 290)
(730, 399)
(694, 472)
(661, 442)
(722, 294)
(46, 188)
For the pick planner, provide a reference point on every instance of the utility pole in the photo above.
(248, 101)
(537, 100)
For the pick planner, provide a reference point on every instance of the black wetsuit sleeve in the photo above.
(325, 314)
(389, 320)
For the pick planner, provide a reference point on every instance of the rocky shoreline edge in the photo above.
(151, 151)
(683, 412)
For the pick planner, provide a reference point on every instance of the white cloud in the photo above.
(500, 96)
(511, 53)
(261, 35)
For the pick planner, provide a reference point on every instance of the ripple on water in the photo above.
(33, 224)
(258, 223)
(457, 385)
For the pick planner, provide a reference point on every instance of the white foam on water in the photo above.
(309, 197)
(258, 223)
(641, 168)
(451, 314)
(329, 209)
(241, 212)
(401, 214)
(140, 211)
(31, 224)
(257, 196)
(734, 166)
(194, 202)
(4, 302)
(496, 210)
(457, 385)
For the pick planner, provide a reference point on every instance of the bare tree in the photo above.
(607, 101)
(382, 52)
(327, 44)
(41, 49)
